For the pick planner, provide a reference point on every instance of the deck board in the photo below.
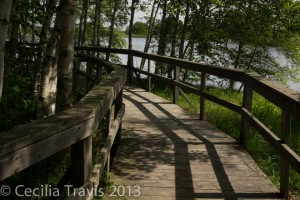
(170, 154)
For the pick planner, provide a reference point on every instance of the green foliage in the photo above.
(18, 104)
(139, 28)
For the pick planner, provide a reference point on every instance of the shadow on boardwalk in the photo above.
(171, 155)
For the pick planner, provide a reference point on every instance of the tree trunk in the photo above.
(95, 22)
(184, 29)
(13, 41)
(236, 63)
(86, 3)
(150, 30)
(99, 24)
(112, 26)
(174, 43)
(5, 8)
(162, 34)
(131, 24)
(64, 97)
(49, 73)
(81, 24)
(43, 43)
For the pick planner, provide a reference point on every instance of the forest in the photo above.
(38, 82)
(38, 38)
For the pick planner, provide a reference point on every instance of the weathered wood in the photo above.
(25, 145)
(130, 67)
(149, 77)
(185, 87)
(24, 157)
(284, 165)
(272, 91)
(224, 103)
(99, 70)
(101, 161)
(170, 154)
(233, 74)
(247, 104)
(176, 88)
(202, 99)
(186, 98)
(81, 161)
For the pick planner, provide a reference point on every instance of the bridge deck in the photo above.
(170, 154)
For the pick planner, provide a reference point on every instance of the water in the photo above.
(139, 43)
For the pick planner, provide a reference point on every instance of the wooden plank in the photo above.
(224, 103)
(23, 146)
(100, 164)
(202, 99)
(31, 154)
(284, 165)
(222, 72)
(185, 87)
(274, 92)
(176, 88)
(186, 97)
(169, 156)
(81, 161)
(247, 104)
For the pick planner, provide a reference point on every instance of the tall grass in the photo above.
(229, 122)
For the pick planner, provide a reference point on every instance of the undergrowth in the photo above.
(229, 122)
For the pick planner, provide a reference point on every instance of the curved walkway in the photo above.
(166, 153)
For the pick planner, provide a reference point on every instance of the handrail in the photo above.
(286, 99)
(23, 146)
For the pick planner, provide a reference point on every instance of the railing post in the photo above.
(130, 65)
(176, 88)
(284, 165)
(87, 73)
(99, 73)
(247, 103)
(149, 77)
(118, 104)
(108, 123)
(81, 161)
(202, 99)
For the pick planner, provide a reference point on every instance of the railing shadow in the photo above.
(182, 157)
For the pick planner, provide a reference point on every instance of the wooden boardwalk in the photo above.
(169, 154)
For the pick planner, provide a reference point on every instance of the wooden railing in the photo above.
(287, 100)
(23, 146)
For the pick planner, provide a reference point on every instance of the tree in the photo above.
(64, 98)
(5, 8)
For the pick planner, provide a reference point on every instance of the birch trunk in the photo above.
(5, 8)
(49, 73)
(64, 97)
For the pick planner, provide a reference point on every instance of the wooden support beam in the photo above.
(202, 99)
(284, 164)
(176, 88)
(247, 104)
(81, 161)
(149, 77)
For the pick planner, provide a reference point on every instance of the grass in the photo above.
(229, 122)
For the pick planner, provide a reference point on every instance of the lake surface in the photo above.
(139, 43)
